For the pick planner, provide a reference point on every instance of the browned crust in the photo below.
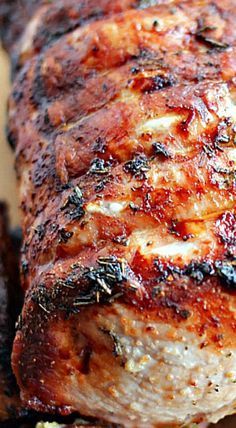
(73, 112)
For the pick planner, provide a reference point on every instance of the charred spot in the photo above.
(17, 95)
(171, 304)
(59, 187)
(64, 236)
(38, 88)
(135, 70)
(44, 123)
(99, 145)
(185, 313)
(105, 87)
(43, 169)
(41, 231)
(46, 118)
(137, 167)
(148, 85)
(134, 207)
(24, 267)
(179, 229)
(74, 204)
(86, 356)
(95, 49)
(11, 138)
(62, 24)
(161, 150)
(149, 60)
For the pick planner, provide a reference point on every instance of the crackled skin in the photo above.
(124, 128)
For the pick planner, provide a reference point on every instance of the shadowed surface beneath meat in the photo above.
(10, 406)
(124, 124)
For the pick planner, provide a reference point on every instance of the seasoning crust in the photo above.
(124, 127)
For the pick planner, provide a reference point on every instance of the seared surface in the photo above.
(124, 126)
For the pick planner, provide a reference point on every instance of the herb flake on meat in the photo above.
(212, 43)
(227, 273)
(138, 166)
(161, 150)
(74, 204)
(104, 280)
(99, 166)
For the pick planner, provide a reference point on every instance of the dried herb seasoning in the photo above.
(160, 149)
(99, 166)
(227, 273)
(69, 282)
(198, 271)
(43, 299)
(103, 280)
(210, 42)
(84, 286)
(134, 207)
(121, 239)
(74, 204)
(223, 138)
(137, 167)
(100, 186)
(204, 28)
(117, 346)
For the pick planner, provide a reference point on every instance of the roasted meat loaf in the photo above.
(123, 119)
